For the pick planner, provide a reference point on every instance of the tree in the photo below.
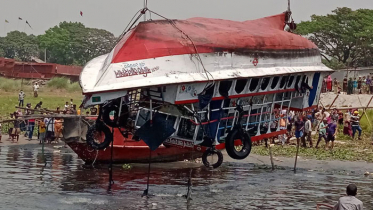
(345, 37)
(19, 45)
(73, 43)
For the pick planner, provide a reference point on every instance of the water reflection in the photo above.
(29, 180)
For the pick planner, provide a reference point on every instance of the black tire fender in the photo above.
(99, 126)
(211, 151)
(106, 115)
(246, 143)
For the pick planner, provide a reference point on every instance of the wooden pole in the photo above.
(333, 101)
(271, 157)
(364, 112)
(296, 157)
(37, 110)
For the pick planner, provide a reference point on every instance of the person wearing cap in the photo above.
(355, 124)
(307, 131)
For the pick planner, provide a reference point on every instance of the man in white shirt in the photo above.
(66, 107)
(49, 123)
(307, 132)
(349, 202)
(36, 89)
(21, 97)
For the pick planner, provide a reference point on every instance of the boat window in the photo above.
(143, 117)
(253, 84)
(186, 129)
(210, 90)
(224, 88)
(284, 79)
(297, 82)
(290, 83)
(305, 79)
(275, 82)
(240, 85)
(172, 119)
(265, 83)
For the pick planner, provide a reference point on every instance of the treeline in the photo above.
(69, 43)
(345, 37)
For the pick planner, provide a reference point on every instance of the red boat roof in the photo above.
(160, 38)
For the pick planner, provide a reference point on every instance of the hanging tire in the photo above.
(209, 152)
(106, 115)
(99, 142)
(238, 152)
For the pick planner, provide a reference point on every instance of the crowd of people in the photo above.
(360, 85)
(48, 129)
(301, 124)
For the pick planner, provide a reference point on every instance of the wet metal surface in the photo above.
(26, 182)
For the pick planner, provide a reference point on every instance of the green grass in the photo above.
(9, 85)
(60, 83)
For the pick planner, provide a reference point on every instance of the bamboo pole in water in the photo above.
(271, 157)
(296, 157)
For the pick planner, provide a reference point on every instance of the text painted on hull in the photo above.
(135, 69)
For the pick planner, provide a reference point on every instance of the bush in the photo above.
(58, 82)
(74, 87)
(10, 85)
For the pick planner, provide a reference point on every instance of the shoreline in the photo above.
(280, 162)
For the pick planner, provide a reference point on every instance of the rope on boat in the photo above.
(93, 163)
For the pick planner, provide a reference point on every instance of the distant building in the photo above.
(34, 70)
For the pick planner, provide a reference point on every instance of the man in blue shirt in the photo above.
(331, 133)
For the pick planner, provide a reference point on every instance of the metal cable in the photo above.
(194, 46)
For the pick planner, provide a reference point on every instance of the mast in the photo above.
(145, 7)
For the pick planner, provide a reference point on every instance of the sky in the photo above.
(114, 15)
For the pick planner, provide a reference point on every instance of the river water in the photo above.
(64, 182)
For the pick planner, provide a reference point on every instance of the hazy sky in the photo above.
(114, 15)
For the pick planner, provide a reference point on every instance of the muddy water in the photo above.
(63, 182)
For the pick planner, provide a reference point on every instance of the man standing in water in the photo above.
(349, 202)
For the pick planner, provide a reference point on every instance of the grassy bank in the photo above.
(344, 148)
(54, 93)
